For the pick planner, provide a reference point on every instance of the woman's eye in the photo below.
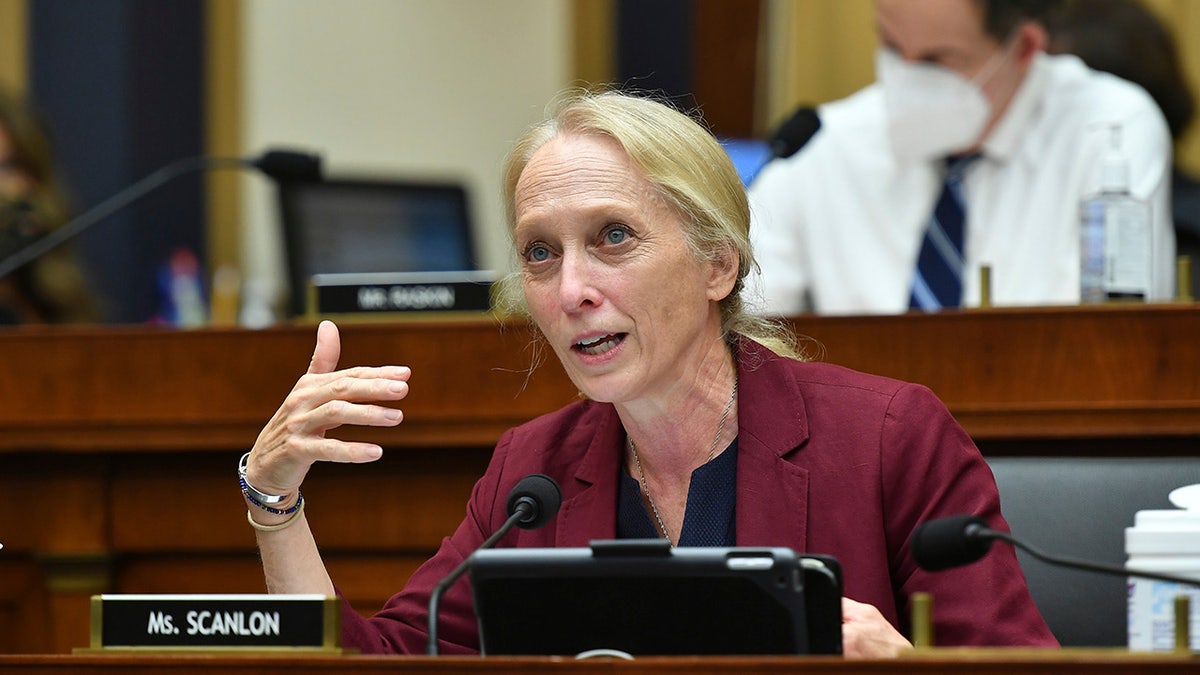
(615, 236)
(537, 253)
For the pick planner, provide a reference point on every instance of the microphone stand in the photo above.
(1087, 566)
(278, 164)
(522, 510)
(115, 203)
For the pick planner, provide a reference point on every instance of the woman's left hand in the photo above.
(867, 635)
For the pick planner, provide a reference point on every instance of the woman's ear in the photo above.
(723, 273)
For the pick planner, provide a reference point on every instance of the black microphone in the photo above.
(288, 166)
(790, 136)
(281, 165)
(949, 542)
(957, 540)
(531, 504)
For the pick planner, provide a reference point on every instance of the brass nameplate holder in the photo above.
(410, 294)
(254, 622)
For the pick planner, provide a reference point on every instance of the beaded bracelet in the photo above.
(297, 510)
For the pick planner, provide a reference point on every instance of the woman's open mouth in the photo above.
(598, 344)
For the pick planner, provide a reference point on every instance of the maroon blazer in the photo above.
(829, 461)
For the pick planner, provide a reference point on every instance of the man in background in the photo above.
(971, 120)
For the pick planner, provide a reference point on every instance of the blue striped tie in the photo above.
(939, 274)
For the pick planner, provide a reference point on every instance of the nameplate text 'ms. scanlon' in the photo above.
(411, 293)
(255, 621)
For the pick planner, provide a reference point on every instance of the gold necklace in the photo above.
(642, 474)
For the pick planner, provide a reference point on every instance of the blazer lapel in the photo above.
(772, 492)
(591, 513)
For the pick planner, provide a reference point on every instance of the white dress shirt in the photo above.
(837, 227)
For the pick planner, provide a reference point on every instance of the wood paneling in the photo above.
(118, 445)
(13, 59)
(593, 46)
(1109, 371)
(223, 130)
(24, 600)
(725, 64)
(129, 389)
(1084, 373)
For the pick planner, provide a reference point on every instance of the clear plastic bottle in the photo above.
(1115, 236)
(1166, 542)
(1091, 252)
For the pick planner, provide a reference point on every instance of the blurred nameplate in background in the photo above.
(403, 292)
(252, 621)
(381, 226)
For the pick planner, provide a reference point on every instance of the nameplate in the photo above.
(239, 622)
(403, 292)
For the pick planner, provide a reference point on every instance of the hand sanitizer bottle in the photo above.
(1114, 245)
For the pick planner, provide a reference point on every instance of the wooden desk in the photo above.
(118, 444)
(1111, 371)
(1056, 663)
(1070, 373)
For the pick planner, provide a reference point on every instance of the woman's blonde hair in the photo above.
(690, 170)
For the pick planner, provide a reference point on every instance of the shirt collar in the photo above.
(1002, 143)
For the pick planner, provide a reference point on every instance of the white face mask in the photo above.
(932, 111)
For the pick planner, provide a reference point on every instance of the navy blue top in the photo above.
(708, 519)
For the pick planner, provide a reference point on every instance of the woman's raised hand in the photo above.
(324, 398)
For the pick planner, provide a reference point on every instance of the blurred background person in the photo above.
(1125, 38)
(847, 225)
(51, 289)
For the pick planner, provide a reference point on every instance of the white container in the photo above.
(1167, 542)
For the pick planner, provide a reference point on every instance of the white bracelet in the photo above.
(254, 492)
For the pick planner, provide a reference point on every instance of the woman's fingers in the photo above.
(328, 350)
(346, 452)
(333, 450)
(339, 412)
(387, 383)
(280, 468)
(866, 634)
(323, 399)
(323, 402)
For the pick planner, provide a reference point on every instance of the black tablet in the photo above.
(642, 597)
